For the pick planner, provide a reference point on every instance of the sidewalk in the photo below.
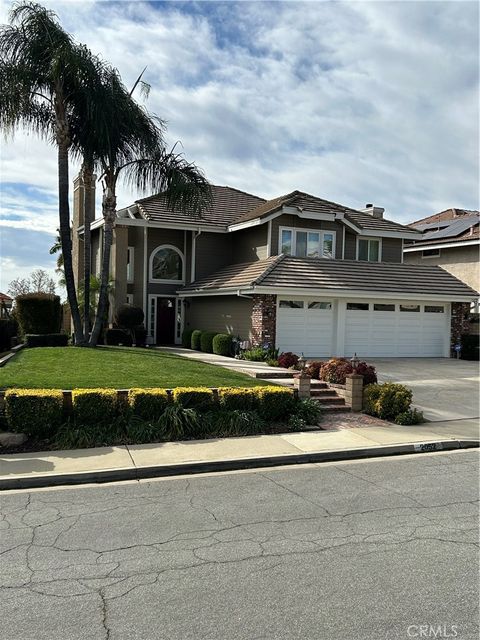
(108, 464)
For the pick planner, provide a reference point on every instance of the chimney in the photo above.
(83, 202)
(376, 212)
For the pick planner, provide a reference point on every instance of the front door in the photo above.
(165, 320)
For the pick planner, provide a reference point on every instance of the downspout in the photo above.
(192, 266)
(343, 244)
(242, 295)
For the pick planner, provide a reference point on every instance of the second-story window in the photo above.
(304, 243)
(166, 264)
(368, 249)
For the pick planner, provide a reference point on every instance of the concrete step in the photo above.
(272, 374)
(288, 382)
(330, 408)
(330, 400)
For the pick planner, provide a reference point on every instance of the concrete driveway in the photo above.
(443, 388)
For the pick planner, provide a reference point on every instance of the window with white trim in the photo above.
(368, 249)
(307, 243)
(130, 263)
(431, 253)
(166, 264)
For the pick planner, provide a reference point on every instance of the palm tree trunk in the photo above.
(109, 206)
(65, 236)
(87, 176)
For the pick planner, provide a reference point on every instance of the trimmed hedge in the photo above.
(46, 340)
(470, 347)
(233, 398)
(148, 404)
(275, 402)
(222, 344)
(115, 337)
(195, 341)
(38, 313)
(94, 406)
(386, 401)
(187, 338)
(194, 397)
(36, 412)
(206, 341)
(8, 330)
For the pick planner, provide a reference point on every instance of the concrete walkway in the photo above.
(254, 369)
(194, 456)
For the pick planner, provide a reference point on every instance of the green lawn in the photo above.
(116, 367)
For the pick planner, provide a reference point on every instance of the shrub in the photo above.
(187, 338)
(94, 406)
(223, 423)
(140, 336)
(309, 411)
(196, 336)
(222, 344)
(276, 403)
(232, 398)
(200, 398)
(313, 369)
(257, 354)
(272, 363)
(128, 317)
(36, 412)
(470, 347)
(177, 422)
(38, 313)
(387, 400)
(46, 340)
(8, 330)
(287, 360)
(368, 372)
(206, 341)
(114, 337)
(412, 416)
(148, 404)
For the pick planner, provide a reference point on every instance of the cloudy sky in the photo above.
(351, 101)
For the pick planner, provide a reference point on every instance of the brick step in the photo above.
(330, 400)
(273, 375)
(289, 382)
(323, 393)
(330, 408)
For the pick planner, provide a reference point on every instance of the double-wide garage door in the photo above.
(322, 328)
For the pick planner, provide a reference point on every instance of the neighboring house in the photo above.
(298, 271)
(6, 304)
(451, 240)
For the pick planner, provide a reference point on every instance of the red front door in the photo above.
(165, 320)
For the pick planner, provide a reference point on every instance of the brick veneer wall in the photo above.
(264, 319)
(459, 322)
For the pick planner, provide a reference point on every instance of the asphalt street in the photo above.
(378, 549)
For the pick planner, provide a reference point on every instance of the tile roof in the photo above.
(318, 273)
(228, 205)
(232, 206)
(451, 225)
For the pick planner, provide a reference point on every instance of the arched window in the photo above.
(166, 264)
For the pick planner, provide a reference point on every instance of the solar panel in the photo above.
(454, 229)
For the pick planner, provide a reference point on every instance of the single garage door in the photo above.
(403, 329)
(305, 326)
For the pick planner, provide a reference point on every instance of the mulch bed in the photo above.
(349, 420)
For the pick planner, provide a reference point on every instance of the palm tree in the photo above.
(129, 144)
(43, 74)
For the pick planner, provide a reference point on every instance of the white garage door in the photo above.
(403, 329)
(305, 326)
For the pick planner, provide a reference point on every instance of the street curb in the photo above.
(164, 470)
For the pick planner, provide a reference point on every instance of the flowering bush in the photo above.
(313, 369)
(287, 360)
(336, 371)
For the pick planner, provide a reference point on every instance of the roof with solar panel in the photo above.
(451, 225)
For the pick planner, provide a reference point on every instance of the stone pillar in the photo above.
(264, 319)
(459, 324)
(301, 382)
(354, 391)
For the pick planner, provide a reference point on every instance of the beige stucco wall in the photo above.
(462, 262)
(225, 314)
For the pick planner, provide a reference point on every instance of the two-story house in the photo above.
(305, 274)
(451, 240)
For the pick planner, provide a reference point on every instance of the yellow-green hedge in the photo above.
(36, 412)
(232, 398)
(91, 406)
(275, 402)
(148, 404)
(194, 397)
